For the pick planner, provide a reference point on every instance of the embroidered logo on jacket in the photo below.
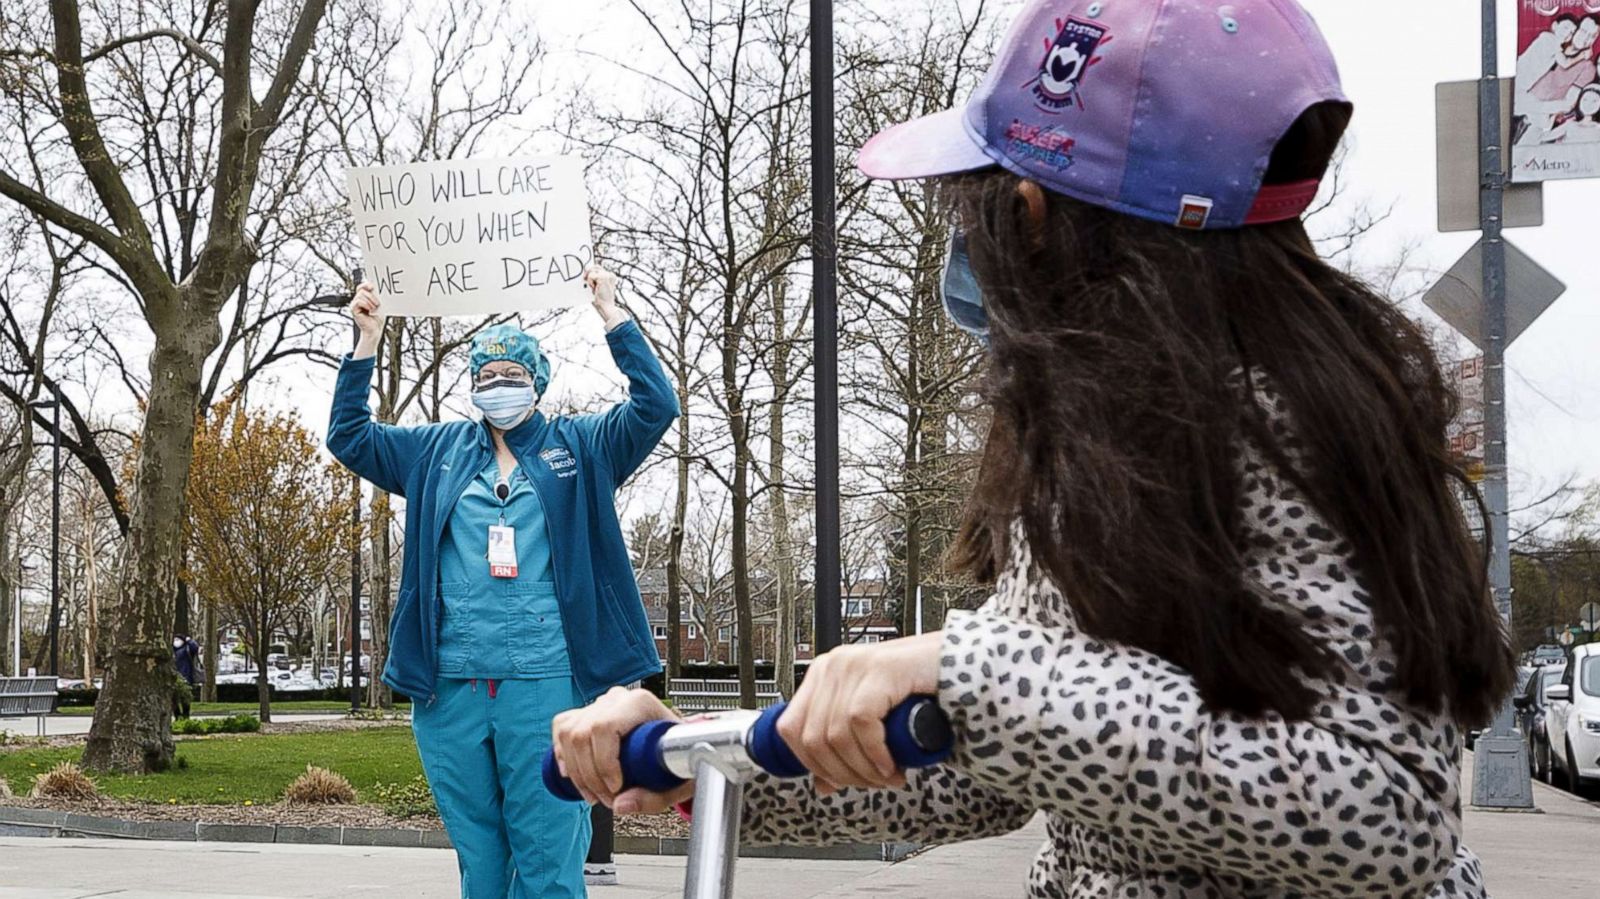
(561, 462)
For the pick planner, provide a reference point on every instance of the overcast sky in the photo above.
(1392, 55)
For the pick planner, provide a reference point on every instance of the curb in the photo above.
(31, 822)
(47, 823)
(846, 852)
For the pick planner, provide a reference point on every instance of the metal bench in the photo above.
(28, 697)
(695, 696)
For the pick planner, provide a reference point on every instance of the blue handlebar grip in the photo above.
(917, 731)
(641, 764)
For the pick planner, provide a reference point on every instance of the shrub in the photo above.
(319, 786)
(182, 693)
(233, 724)
(64, 781)
(411, 799)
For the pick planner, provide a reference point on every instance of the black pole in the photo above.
(355, 562)
(55, 545)
(824, 276)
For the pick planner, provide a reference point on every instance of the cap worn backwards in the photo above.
(1163, 109)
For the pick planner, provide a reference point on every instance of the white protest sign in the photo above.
(474, 237)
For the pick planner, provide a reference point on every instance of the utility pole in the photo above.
(1500, 761)
(825, 318)
(355, 553)
(338, 300)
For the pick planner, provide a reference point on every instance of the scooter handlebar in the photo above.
(917, 731)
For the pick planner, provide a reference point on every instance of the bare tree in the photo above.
(111, 157)
(719, 143)
(908, 372)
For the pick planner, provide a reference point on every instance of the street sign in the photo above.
(1557, 95)
(1458, 297)
(1590, 616)
(1466, 431)
(1566, 638)
(1460, 185)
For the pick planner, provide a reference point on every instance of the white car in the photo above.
(1572, 719)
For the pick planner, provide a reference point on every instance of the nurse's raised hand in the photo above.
(603, 284)
(366, 310)
(588, 742)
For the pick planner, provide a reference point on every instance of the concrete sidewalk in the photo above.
(1551, 855)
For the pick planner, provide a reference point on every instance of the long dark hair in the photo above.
(1118, 348)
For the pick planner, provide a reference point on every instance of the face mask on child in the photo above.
(963, 300)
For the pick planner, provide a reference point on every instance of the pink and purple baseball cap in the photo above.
(1164, 109)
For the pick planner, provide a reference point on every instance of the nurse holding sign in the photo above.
(517, 599)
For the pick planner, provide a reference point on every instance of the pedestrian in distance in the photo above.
(1239, 624)
(517, 597)
(186, 659)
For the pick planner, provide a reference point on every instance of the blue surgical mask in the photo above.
(963, 300)
(505, 403)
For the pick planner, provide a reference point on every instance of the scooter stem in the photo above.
(714, 839)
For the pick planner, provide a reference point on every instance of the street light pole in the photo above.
(825, 324)
(1500, 777)
(55, 544)
(356, 275)
(338, 300)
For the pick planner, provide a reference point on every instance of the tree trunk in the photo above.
(783, 652)
(90, 600)
(132, 729)
(743, 619)
(212, 647)
(9, 586)
(680, 511)
(180, 621)
(379, 696)
(913, 565)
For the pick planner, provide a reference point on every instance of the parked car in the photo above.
(1547, 654)
(1572, 719)
(1531, 703)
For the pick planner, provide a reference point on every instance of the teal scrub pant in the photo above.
(482, 744)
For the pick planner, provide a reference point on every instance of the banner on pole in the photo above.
(1466, 431)
(474, 237)
(1556, 129)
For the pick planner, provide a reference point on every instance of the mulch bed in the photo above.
(669, 825)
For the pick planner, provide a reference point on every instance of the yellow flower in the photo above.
(248, 802)
(172, 801)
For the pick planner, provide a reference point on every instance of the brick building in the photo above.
(865, 612)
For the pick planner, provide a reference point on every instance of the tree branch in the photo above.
(188, 42)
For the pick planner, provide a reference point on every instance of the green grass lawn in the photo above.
(234, 768)
(287, 707)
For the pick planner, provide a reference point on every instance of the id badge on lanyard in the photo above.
(502, 551)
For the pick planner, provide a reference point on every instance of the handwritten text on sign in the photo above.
(472, 237)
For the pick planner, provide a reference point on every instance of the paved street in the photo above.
(1526, 856)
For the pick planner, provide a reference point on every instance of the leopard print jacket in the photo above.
(1148, 792)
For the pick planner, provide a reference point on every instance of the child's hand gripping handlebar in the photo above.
(661, 755)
